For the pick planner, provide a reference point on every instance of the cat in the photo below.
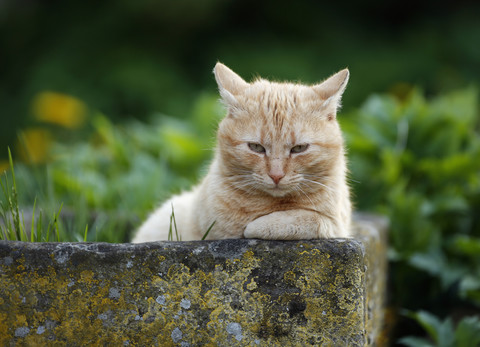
(279, 169)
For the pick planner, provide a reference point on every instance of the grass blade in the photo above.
(208, 230)
(40, 226)
(6, 229)
(175, 225)
(24, 234)
(14, 200)
(32, 231)
(86, 232)
(3, 222)
(170, 236)
(47, 234)
(55, 222)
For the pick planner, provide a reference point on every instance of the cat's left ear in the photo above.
(330, 91)
(229, 83)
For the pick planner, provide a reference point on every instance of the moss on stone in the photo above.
(226, 292)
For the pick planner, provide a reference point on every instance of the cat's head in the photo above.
(280, 138)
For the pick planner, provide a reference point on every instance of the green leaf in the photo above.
(461, 106)
(467, 333)
(467, 245)
(469, 288)
(436, 264)
(433, 262)
(441, 332)
(412, 341)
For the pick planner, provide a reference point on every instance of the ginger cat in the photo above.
(279, 170)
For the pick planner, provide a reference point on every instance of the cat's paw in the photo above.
(294, 225)
(257, 229)
(282, 225)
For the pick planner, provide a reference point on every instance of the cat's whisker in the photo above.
(295, 180)
(239, 176)
(320, 184)
(241, 183)
(320, 178)
(248, 193)
(245, 185)
(257, 176)
(297, 188)
(306, 185)
(243, 171)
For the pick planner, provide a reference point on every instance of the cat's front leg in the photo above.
(292, 225)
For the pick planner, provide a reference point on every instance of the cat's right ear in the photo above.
(229, 83)
(331, 90)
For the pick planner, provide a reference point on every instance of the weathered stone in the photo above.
(225, 293)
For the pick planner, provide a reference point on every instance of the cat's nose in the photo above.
(276, 177)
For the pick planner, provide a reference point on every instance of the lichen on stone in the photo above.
(225, 292)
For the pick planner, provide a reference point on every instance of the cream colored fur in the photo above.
(279, 170)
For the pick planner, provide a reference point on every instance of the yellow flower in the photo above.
(4, 165)
(34, 145)
(60, 109)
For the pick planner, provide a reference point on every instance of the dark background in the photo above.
(134, 58)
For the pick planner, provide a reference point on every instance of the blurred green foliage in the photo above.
(118, 176)
(417, 161)
(135, 58)
(443, 333)
(422, 153)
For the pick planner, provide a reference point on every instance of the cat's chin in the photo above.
(277, 192)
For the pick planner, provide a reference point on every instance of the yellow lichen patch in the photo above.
(252, 285)
(249, 259)
(42, 282)
(4, 322)
(87, 277)
(289, 277)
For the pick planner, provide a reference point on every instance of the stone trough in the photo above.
(219, 293)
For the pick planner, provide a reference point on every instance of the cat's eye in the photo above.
(299, 148)
(256, 147)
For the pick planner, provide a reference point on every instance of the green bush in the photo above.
(418, 162)
(112, 181)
